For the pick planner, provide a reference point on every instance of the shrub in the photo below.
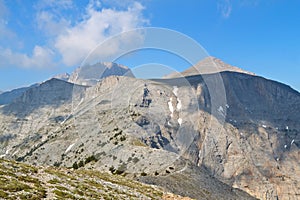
(112, 169)
(90, 159)
(81, 164)
(123, 138)
(75, 165)
(143, 174)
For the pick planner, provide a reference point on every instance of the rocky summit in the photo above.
(221, 135)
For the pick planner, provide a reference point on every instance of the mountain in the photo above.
(207, 66)
(210, 136)
(8, 97)
(50, 126)
(54, 93)
(91, 74)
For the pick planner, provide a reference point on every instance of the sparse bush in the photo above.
(119, 172)
(143, 174)
(90, 159)
(112, 169)
(80, 164)
(123, 138)
(135, 160)
(57, 164)
(75, 165)
(129, 159)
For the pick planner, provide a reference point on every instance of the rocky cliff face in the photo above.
(184, 137)
(257, 149)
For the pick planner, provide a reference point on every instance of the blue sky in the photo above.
(37, 37)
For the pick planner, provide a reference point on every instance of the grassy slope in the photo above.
(22, 181)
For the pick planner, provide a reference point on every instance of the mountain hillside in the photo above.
(22, 181)
(194, 136)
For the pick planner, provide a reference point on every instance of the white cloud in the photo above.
(50, 25)
(77, 41)
(41, 57)
(71, 33)
(123, 3)
(225, 7)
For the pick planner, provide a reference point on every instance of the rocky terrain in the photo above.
(194, 138)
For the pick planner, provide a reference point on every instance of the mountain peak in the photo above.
(64, 76)
(212, 64)
(91, 74)
(209, 65)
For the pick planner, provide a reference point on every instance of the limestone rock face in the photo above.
(203, 142)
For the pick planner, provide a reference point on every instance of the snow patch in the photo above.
(287, 127)
(292, 142)
(171, 108)
(285, 146)
(175, 90)
(227, 106)
(179, 105)
(3, 155)
(264, 126)
(221, 111)
(179, 121)
(70, 147)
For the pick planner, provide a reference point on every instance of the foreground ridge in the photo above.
(23, 181)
